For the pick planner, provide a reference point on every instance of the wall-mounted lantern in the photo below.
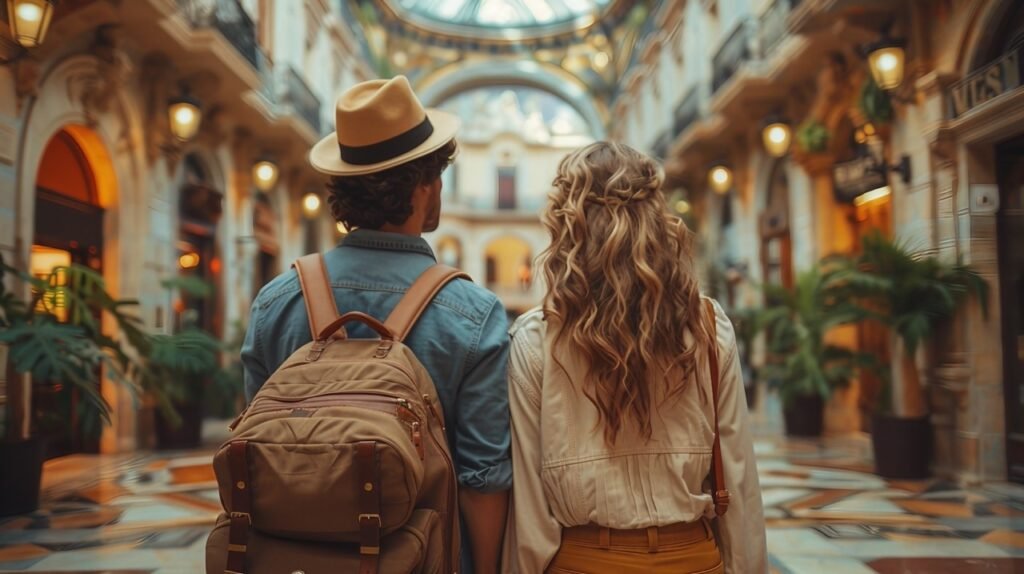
(887, 60)
(311, 204)
(29, 20)
(777, 136)
(720, 178)
(264, 174)
(185, 115)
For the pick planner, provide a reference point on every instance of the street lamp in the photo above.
(887, 59)
(720, 178)
(185, 115)
(776, 136)
(29, 20)
(311, 204)
(264, 174)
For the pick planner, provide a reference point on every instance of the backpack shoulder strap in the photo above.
(317, 292)
(719, 493)
(419, 295)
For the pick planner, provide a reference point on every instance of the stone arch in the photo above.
(79, 95)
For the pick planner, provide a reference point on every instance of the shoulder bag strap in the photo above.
(719, 493)
(317, 292)
(416, 299)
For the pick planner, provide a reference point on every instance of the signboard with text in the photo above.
(993, 80)
(858, 176)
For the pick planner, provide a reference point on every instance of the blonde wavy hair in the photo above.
(621, 287)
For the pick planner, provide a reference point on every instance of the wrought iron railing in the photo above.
(774, 24)
(301, 98)
(734, 51)
(228, 17)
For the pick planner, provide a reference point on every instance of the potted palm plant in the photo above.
(55, 336)
(912, 296)
(802, 364)
(183, 365)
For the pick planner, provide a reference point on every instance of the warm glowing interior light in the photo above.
(29, 12)
(887, 62)
(264, 172)
(601, 59)
(184, 115)
(873, 195)
(682, 207)
(777, 134)
(188, 260)
(311, 203)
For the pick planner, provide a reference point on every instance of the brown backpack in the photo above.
(340, 463)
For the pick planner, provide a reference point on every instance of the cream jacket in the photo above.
(565, 475)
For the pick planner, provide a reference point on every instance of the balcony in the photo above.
(774, 24)
(730, 57)
(294, 93)
(230, 19)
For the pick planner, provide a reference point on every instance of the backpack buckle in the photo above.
(317, 349)
(383, 348)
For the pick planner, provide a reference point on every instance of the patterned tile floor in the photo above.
(826, 513)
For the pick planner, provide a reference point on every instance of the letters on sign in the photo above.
(993, 80)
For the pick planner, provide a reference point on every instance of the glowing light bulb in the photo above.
(29, 12)
(311, 203)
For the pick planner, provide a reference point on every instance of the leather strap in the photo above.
(317, 292)
(416, 299)
(719, 493)
(369, 506)
(241, 506)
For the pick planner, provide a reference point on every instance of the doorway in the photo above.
(1010, 230)
(68, 230)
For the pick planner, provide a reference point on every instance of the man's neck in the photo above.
(408, 228)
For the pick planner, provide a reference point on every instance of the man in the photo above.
(385, 161)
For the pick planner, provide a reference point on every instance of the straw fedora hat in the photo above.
(380, 124)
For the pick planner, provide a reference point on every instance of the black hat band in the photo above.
(389, 148)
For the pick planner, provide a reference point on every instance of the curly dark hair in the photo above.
(373, 200)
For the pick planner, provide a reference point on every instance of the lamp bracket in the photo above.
(902, 167)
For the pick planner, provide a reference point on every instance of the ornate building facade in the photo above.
(934, 165)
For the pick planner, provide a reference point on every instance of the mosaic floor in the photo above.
(149, 513)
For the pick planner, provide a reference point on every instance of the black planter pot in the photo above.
(804, 416)
(188, 433)
(903, 446)
(20, 475)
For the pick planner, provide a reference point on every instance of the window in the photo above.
(507, 187)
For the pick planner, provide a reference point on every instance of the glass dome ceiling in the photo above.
(501, 13)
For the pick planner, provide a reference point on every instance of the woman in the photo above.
(610, 390)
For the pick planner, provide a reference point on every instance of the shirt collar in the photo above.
(372, 239)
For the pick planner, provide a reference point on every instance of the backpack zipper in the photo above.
(381, 402)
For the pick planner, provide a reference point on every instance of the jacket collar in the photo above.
(372, 239)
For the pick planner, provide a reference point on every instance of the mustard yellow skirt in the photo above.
(675, 549)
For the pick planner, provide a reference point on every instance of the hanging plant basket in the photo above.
(875, 103)
(812, 136)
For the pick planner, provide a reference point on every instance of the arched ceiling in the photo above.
(579, 50)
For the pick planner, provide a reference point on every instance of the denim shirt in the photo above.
(461, 339)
